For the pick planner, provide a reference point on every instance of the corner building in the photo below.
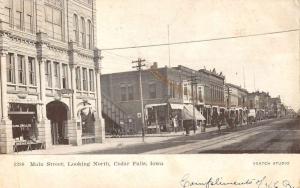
(50, 73)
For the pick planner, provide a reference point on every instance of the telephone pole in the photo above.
(193, 83)
(139, 66)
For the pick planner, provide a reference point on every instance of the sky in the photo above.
(268, 63)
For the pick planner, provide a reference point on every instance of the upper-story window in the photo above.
(23, 14)
(28, 15)
(130, 93)
(89, 35)
(91, 75)
(172, 86)
(48, 73)
(10, 68)
(31, 69)
(18, 6)
(75, 28)
(78, 78)
(53, 20)
(84, 79)
(56, 72)
(7, 17)
(200, 94)
(185, 90)
(82, 33)
(21, 69)
(123, 93)
(152, 91)
(64, 76)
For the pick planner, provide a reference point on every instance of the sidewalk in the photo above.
(112, 143)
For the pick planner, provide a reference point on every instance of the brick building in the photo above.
(235, 96)
(276, 107)
(50, 73)
(167, 93)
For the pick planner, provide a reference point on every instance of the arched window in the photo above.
(89, 35)
(75, 28)
(83, 41)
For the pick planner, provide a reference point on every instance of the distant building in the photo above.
(235, 96)
(167, 93)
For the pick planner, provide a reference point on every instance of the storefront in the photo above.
(87, 120)
(24, 126)
(189, 114)
(164, 117)
(207, 114)
(177, 116)
(57, 114)
(156, 117)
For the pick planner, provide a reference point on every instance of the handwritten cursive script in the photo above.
(211, 182)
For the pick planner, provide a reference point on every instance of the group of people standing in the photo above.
(231, 118)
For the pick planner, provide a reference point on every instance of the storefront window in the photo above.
(23, 117)
(88, 121)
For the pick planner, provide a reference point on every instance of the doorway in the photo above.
(57, 113)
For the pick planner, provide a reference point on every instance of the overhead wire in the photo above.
(201, 40)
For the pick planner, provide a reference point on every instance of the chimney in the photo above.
(154, 66)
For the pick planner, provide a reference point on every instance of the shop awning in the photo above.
(177, 106)
(153, 105)
(188, 113)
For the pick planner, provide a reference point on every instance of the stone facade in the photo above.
(49, 62)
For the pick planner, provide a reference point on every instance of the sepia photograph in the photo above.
(131, 77)
(136, 84)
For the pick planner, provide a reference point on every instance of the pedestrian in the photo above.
(186, 127)
(175, 123)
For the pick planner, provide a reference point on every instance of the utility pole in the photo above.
(244, 78)
(228, 97)
(139, 68)
(193, 83)
(169, 46)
